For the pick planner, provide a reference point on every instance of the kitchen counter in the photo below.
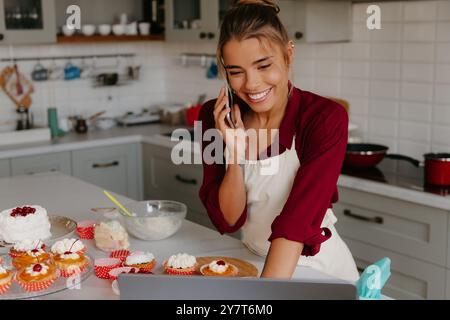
(402, 182)
(70, 197)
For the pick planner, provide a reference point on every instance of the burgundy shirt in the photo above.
(320, 126)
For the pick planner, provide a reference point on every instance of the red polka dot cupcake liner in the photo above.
(179, 272)
(5, 287)
(66, 273)
(85, 229)
(114, 273)
(34, 286)
(102, 267)
(120, 254)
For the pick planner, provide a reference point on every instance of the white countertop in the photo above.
(67, 196)
(152, 134)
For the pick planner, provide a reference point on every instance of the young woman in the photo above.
(285, 216)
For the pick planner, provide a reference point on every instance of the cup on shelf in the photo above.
(88, 29)
(67, 31)
(118, 29)
(104, 29)
(132, 29)
(144, 28)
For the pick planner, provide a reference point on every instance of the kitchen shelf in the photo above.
(111, 38)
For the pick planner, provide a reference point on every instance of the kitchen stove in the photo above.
(397, 173)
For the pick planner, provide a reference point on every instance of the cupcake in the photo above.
(180, 264)
(65, 245)
(37, 277)
(144, 261)
(21, 248)
(219, 268)
(30, 257)
(6, 277)
(70, 263)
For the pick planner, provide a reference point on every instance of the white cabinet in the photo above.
(414, 237)
(317, 21)
(5, 170)
(115, 168)
(52, 162)
(27, 22)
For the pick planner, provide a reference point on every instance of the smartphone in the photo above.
(230, 102)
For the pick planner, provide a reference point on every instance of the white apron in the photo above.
(266, 196)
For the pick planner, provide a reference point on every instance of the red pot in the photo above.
(437, 169)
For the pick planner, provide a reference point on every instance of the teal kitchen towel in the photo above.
(373, 279)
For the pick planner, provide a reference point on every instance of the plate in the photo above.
(60, 228)
(246, 269)
(16, 292)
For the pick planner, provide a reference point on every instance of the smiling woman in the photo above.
(285, 214)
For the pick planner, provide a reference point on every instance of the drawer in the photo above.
(42, 163)
(410, 278)
(114, 168)
(185, 179)
(5, 169)
(409, 229)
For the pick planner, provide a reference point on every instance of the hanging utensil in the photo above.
(19, 87)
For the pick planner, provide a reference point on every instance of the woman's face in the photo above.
(257, 72)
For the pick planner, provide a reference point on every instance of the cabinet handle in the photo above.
(211, 35)
(350, 214)
(105, 165)
(186, 181)
(202, 35)
(298, 35)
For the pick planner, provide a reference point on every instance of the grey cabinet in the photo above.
(194, 20)
(317, 21)
(115, 168)
(410, 278)
(60, 161)
(413, 236)
(27, 22)
(5, 170)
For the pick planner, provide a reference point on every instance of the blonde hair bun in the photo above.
(268, 3)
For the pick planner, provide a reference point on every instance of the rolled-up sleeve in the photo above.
(321, 151)
(213, 175)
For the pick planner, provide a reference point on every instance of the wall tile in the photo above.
(327, 86)
(384, 89)
(443, 11)
(385, 70)
(415, 131)
(384, 108)
(327, 68)
(415, 111)
(328, 51)
(304, 67)
(441, 114)
(389, 32)
(442, 52)
(385, 51)
(419, 11)
(391, 11)
(443, 73)
(382, 127)
(383, 140)
(417, 72)
(358, 106)
(442, 93)
(355, 69)
(418, 52)
(419, 31)
(413, 149)
(356, 51)
(443, 31)
(441, 134)
(355, 87)
(417, 92)
(359, 12)
(360, 32)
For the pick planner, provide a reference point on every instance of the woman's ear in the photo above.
(290, 51)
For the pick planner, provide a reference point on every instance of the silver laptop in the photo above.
(165, 287)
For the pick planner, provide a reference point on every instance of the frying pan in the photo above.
(362, 155)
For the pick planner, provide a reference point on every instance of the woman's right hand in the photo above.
(235, 139)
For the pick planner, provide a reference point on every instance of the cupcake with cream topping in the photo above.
(31, 257)
(180, 264)
(37, 277)
(72, 245)
(219, 268)
(72, 260)
(6, 277)
(21, 247)
(144, 261)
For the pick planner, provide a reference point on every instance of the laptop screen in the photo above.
(166, 287)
